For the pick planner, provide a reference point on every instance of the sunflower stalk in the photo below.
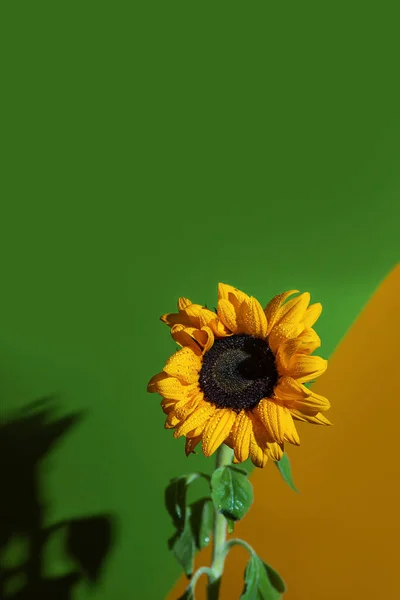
(224, 458)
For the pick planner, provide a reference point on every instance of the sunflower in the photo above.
(239, 375)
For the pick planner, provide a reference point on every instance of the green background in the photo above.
(151, 150)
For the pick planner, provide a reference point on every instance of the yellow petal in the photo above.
(192, 337)
(284, 354)
(205, 337)
(272, 308)
(199, 315)
(197, 419)
(184, 336)
(283, 332)
(312, 314)
(258, 443)
(217, 430)
(310, 341)
(252, 319)
(275, 451)
(172, 421)
(185, 365)
(227, 314)
(217, 327)
(315, 419)
(294, 310)
(313, 402)
(152, 386)
(169, 387)
(168, 405)
(183, 303)
(306, 368)
(229, 292)
(288, 389)
(241, 436)
(176, 318)
(235, 298)
(190, 315)
(173, 389)
(272, 417)
(294, 395)
(196, 432)
(291, 434)
(259, 458)
(191, 444)
(185, 407)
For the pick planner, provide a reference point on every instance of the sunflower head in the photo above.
(239, 376)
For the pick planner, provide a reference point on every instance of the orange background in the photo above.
(337, 538)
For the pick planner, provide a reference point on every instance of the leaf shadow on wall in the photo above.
(25, 440)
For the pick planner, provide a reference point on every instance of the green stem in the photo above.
(224, 457)
(202, 571)
(239, 542)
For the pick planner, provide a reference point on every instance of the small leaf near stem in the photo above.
(231, 491)
(261, 580)
(202, 518)
(259, 583)
(183, 546)
(285, 470)
(187, 537)
(175, 496)
(175, 501)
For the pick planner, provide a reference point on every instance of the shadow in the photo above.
(25, 439)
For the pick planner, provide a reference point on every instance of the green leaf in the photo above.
(175, 500)
(275, 579)
(182, 544)
(175, 496)
(202, 519)
(261, 581)
(239, 470)
(231, 492)
(251, 579)
(286, 472)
